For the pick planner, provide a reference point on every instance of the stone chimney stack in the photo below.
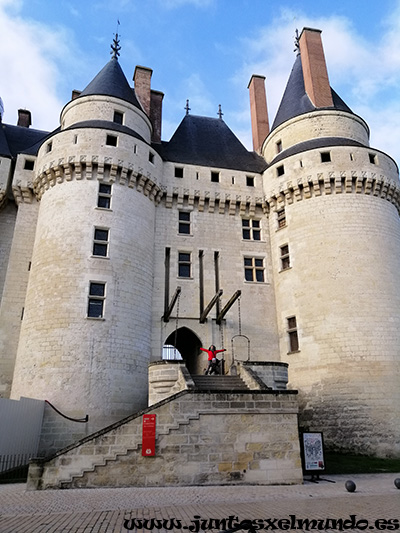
(142, 81)
(315, 73)
(24, 118)
(259, 111)
(156, 98)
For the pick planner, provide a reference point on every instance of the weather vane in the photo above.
(115, 47)
(296, 42)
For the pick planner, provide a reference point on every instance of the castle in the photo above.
(115, 243)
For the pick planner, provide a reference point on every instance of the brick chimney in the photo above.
(24, 118)
(315, 73)
(156, 98)
(142, 81)
(258, 110)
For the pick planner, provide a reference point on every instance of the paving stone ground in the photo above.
(375, 505)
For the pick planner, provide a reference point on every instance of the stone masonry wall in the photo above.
(200, 439)
(14, 292)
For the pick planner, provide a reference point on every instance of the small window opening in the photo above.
(97, 292)
(325, 157)
(215, 177)
(29, 164)
(111, 140)
(279, 147)
(372, 158)
(184, 222)
(49, 147)
(178, 172)
(285, 258)
(292, 334)
(100, 242)
(151, 157)
(250, 181)
(281, 218)
(280, 170)
(118, 117)
(184, 264)
(104, 196)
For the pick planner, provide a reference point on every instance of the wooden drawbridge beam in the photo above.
(228, 306)
(213, 301)
(171, 306)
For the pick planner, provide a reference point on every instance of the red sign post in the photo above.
(149, 435)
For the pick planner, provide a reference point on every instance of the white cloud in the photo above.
(364, 72)
(29, 66)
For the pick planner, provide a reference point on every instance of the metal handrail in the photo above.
(83, 420)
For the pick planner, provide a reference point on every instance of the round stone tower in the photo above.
(85, 335)
(335, 245)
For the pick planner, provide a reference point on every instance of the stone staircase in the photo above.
(191, 427)
(219, 383)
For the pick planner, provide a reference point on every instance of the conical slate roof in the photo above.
(295, 100)
(111, 81)
(209, 142)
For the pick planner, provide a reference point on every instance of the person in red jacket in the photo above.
(212, 354)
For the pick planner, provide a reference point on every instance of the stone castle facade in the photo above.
(115, 243)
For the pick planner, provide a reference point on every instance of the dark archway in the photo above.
(188, 344)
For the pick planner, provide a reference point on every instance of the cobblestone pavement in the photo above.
(375, 500)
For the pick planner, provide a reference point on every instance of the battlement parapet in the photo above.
(343, 182)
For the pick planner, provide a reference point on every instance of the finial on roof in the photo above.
(187, 107)
(296, 42)
(115, 47)
(220, 113)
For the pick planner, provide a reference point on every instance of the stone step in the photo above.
(219, 382)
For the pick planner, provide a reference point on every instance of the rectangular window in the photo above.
(184, 223)
(250, 181)
(372, 158)
(49, 146)
(97, 294)
(215, 177)
(280, 170)
(104, 197)
(151, 157)
(29, 164)
(184, 264)
(292, 334)
(118, 117)
(251, 229)
(178, 172)
(285, 259)
(325, 157)
(254, 269)
(100, 242)
(281, 218)
(111, 140)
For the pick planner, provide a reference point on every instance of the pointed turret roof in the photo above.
(111, 81)
(295, 100)
(209, 142)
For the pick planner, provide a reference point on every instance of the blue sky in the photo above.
(201, 50)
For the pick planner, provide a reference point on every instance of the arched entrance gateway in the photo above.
(188, 344)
